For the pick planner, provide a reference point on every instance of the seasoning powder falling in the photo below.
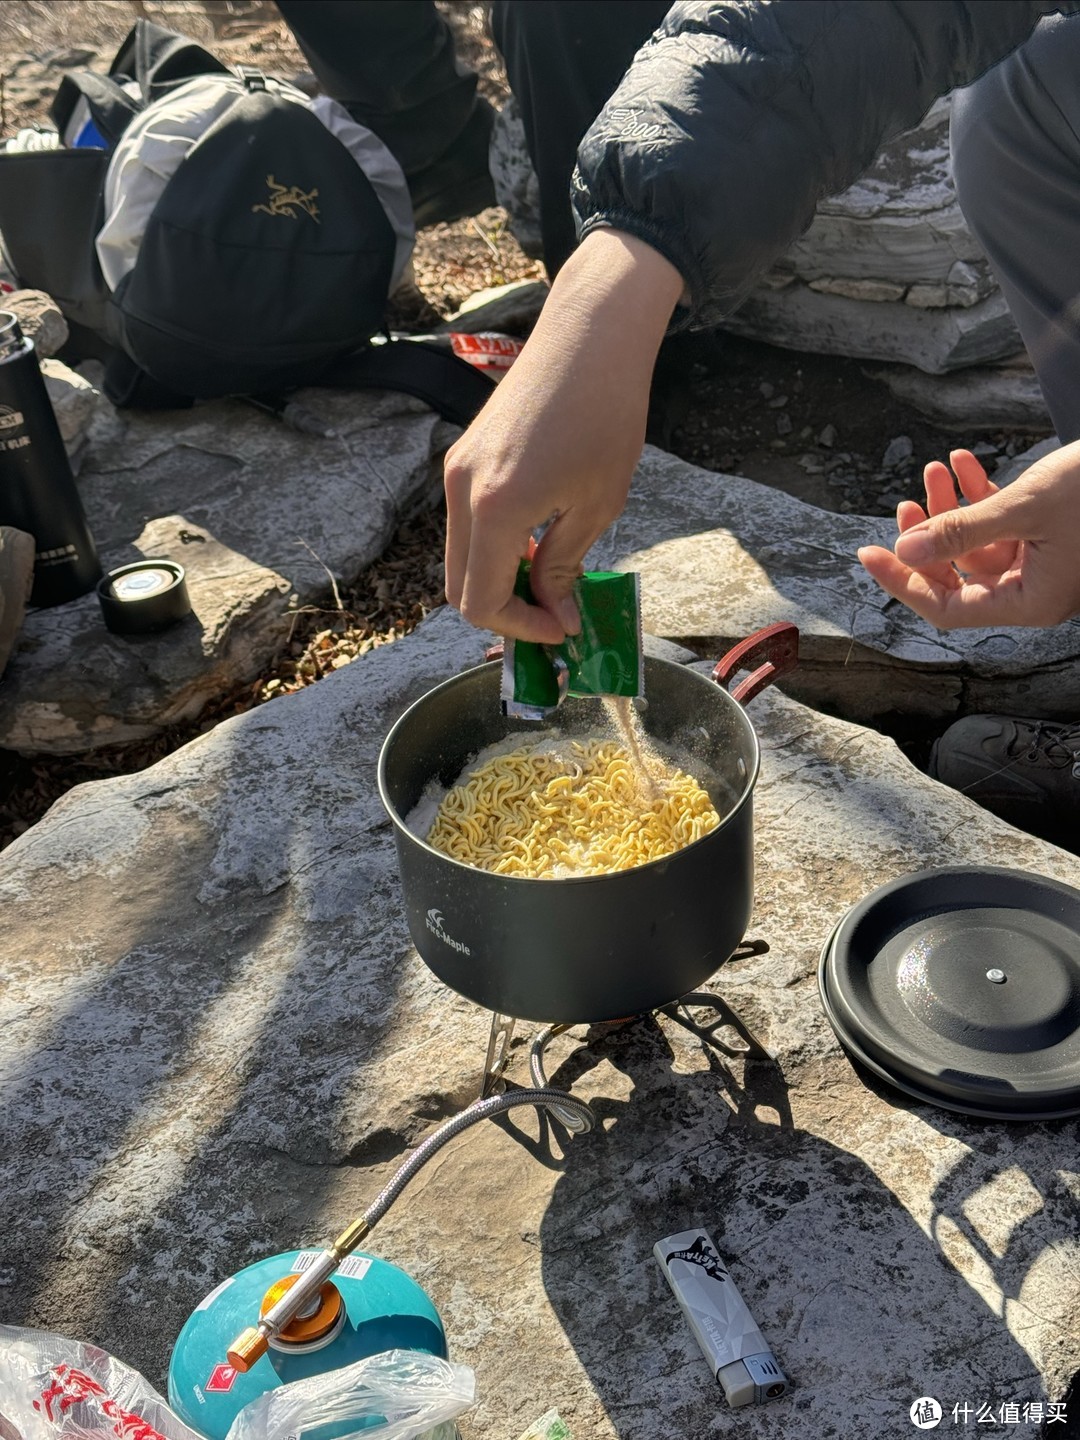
(571, 807)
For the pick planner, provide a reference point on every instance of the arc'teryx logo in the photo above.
(701, 1253)
(435, 925)
(289, 200)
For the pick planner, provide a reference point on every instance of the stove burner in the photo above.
(502, 1030)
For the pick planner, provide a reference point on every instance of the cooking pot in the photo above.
(587, 947)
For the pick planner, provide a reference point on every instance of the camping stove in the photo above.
(710, 1032)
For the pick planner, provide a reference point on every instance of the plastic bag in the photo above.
(53, 1388)
(419, 1395)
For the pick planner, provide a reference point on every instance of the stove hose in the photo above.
(251, 1344)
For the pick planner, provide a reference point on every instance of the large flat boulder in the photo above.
(219, 1044)
(799, 317)
(720, 556)
(262, 513)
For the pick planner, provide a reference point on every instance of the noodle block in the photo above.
(545, 813)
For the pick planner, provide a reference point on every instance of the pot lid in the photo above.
(961, 987)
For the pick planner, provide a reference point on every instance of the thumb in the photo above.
(955, 532)
(557, 564)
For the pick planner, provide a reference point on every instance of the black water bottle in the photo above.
(37, 488)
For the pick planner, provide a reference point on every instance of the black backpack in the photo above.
(264, 265)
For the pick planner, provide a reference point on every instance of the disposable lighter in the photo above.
(724, 1328)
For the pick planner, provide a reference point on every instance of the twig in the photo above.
(333, 583)
(486, 238)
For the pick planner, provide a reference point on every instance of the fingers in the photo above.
(958, 534)
(942, 500)
(927, 597)
(487, 598)
(558, 558)
(984, 600)
(482, 551)
(940, 488)
(974, 483)
(908, 515)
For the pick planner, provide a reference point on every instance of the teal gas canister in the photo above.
(368, 1306)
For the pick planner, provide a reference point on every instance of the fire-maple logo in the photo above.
(435, 925)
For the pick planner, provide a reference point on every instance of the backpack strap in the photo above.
(111, 107)
(452, 387)
(157, 58)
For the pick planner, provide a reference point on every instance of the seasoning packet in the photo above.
(491, 353)
(605, 658)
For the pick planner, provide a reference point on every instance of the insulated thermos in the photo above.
(37, 488)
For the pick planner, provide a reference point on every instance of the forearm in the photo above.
(609, 308)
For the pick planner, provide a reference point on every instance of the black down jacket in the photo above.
(736, 118)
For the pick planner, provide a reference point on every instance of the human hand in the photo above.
(558, 440)
(1009, 557)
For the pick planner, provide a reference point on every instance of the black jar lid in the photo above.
(961, 987)
(143, 597)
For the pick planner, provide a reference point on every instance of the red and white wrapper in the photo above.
(491, 353)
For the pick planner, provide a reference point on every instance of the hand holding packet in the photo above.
(604, 658)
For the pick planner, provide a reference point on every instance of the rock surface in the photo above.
(981, 398)
(217, 1044)
(258, 513)
(934, 341)
(513, 308)
(40, 320)
(517, 189)
(16, 578)
(74, 400)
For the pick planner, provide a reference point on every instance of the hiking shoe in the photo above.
(1025, 771)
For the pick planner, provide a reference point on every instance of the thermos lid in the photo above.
(11, 335)
(961, 987)
(145, 596)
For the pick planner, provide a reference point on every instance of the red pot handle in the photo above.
(774, 650)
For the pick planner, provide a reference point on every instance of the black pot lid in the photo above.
(961, 987)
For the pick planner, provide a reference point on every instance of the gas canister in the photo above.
(369, 1306)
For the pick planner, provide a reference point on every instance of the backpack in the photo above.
(214, 232)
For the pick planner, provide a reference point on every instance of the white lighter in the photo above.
(724, 1328)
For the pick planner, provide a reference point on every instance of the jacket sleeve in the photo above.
(736, 118)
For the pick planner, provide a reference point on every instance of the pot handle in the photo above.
(774, 650)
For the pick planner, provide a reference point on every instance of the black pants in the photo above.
(1016, 164)
(563, 59)
(392, 64)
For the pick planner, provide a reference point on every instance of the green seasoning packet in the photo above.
(603, 659)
